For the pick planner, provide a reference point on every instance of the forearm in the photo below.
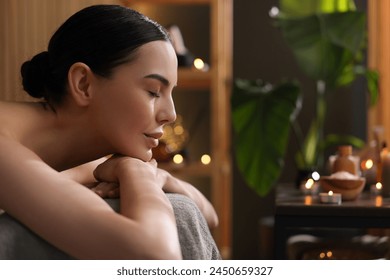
(141, 199)
(144, 202)
(83, 174)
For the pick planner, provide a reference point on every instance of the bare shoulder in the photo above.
(12, 114)
(48, 202)
(28, 185)
(5, 109)
(7, 106)
(17, 164)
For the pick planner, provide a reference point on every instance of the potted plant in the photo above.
(328, 40)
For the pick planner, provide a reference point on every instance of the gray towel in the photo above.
(196, 241)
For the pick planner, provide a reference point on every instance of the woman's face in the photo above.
(131, 107)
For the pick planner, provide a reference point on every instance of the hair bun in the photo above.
(34, 73)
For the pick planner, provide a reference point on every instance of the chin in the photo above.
(147, 156)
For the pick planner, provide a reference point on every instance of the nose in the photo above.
(167, 112)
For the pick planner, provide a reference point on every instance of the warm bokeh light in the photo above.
(369, 164)
(378, 186)
(308, 200)
(198, 63)
(378, 201)
(309, 184)
(328, 255)
(315, 175)
(179, 130)
(205, 159)
(178, 158)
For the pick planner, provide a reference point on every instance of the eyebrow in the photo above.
(159, 78)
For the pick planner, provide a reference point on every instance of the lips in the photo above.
(152, 138)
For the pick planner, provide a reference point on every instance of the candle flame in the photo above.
(330, 193)
(369, 164)
(309, 184)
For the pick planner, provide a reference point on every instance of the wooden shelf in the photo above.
(189, 78)
(160, 2)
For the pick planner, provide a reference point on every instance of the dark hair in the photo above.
(101, 36)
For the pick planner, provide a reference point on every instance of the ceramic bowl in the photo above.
(350, 189)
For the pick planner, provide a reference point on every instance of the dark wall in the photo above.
(260, 52)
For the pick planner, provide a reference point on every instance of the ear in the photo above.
(79, 81)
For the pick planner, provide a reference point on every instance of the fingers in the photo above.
(106, 190)
(105, 172)
(114, 193)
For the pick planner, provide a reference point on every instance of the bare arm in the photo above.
(83, 175)
(175, 185)
(80, 223)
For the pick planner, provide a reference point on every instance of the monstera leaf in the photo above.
(300, 8)
(261, 115)
(327, 47)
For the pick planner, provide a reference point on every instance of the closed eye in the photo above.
(154, 94)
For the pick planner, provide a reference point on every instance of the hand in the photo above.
(116, 167)
(105, 189)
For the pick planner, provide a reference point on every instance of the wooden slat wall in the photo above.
(379, 58)
(25, 29)
(222, 52)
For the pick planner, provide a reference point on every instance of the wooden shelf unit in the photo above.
(217, 80)
(194, 79)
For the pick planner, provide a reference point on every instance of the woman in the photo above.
(107, 81)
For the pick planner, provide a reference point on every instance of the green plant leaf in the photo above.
(372, 78)
(308, 158)
(338, 139)
(326, 45)
(261, 122)
(294, 8)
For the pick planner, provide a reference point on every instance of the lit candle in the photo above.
(308, 199)
(309, 187)
(330, 198)
(378, 201)
(369, 171)
(376, 189)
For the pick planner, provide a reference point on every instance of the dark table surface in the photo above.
(295, 210)
(291, 201)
